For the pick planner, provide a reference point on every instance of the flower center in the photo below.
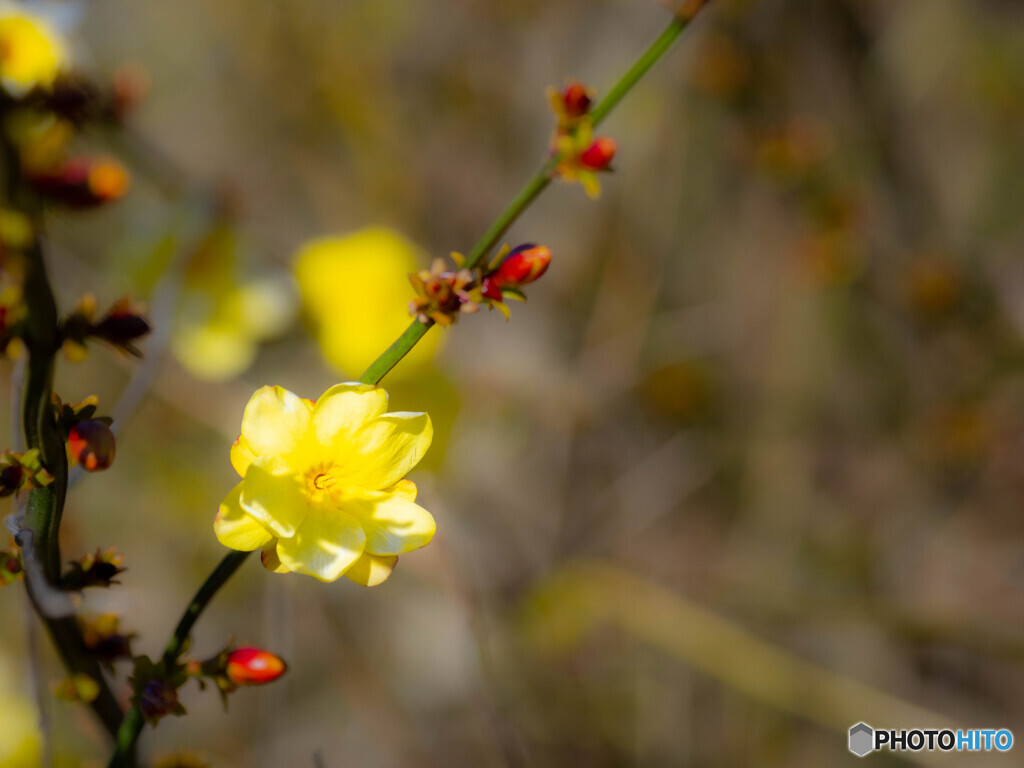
(323, 481)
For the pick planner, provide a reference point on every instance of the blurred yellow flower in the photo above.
(323, 490)
(356, 290)
(221, 322)
(31, 52)
(19, 735)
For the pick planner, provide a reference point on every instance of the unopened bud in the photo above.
(523, 265)
(253, 666)
(121, 328)
(91, 444)
(599, 155)
(11, 478)
(83, 182)
(575, 99)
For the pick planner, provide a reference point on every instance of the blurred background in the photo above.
(745, 471)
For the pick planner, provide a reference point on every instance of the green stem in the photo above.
(133, 722)
(398, 349)
(224, 571)
(530, 192)
(46, 505)
(640, 68)
(128, 735)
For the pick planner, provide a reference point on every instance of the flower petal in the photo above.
(241, 455)
(237, 529)
(393, 524)
(277, 501)
(275, 424)
(326, 545)
(344, 409)
(269, 558)
(386, 449)
(371, 570)
(404, 488)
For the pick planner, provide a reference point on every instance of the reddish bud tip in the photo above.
(599, 155)
(523, 265)
(91, 444)
(84, 182)
(253, 666)
(576, 99)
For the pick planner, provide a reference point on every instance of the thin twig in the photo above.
(128, 735)
(529, 192)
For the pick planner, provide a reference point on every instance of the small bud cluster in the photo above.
(45, 120)
(11, 568)
(581, 155)
(156, 686)
(103, 638)
(82, 182)
(20, 471)
(79, 100)
(121, 326)
(155, 689)
(79, 687)
(15, 235)
(443, 294)
(97, 569)
(90, 441)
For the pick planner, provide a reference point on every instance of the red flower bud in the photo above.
(599, 155)
(83, 182)
(523, 265)
(91, 444)
(576, 99)
(253, 666)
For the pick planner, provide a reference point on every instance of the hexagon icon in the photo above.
(862, 739)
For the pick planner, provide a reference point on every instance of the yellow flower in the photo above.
(323, 490)
(356, 290)
(221, 320)
(19, 735)
(31, 53)
(218, 334)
